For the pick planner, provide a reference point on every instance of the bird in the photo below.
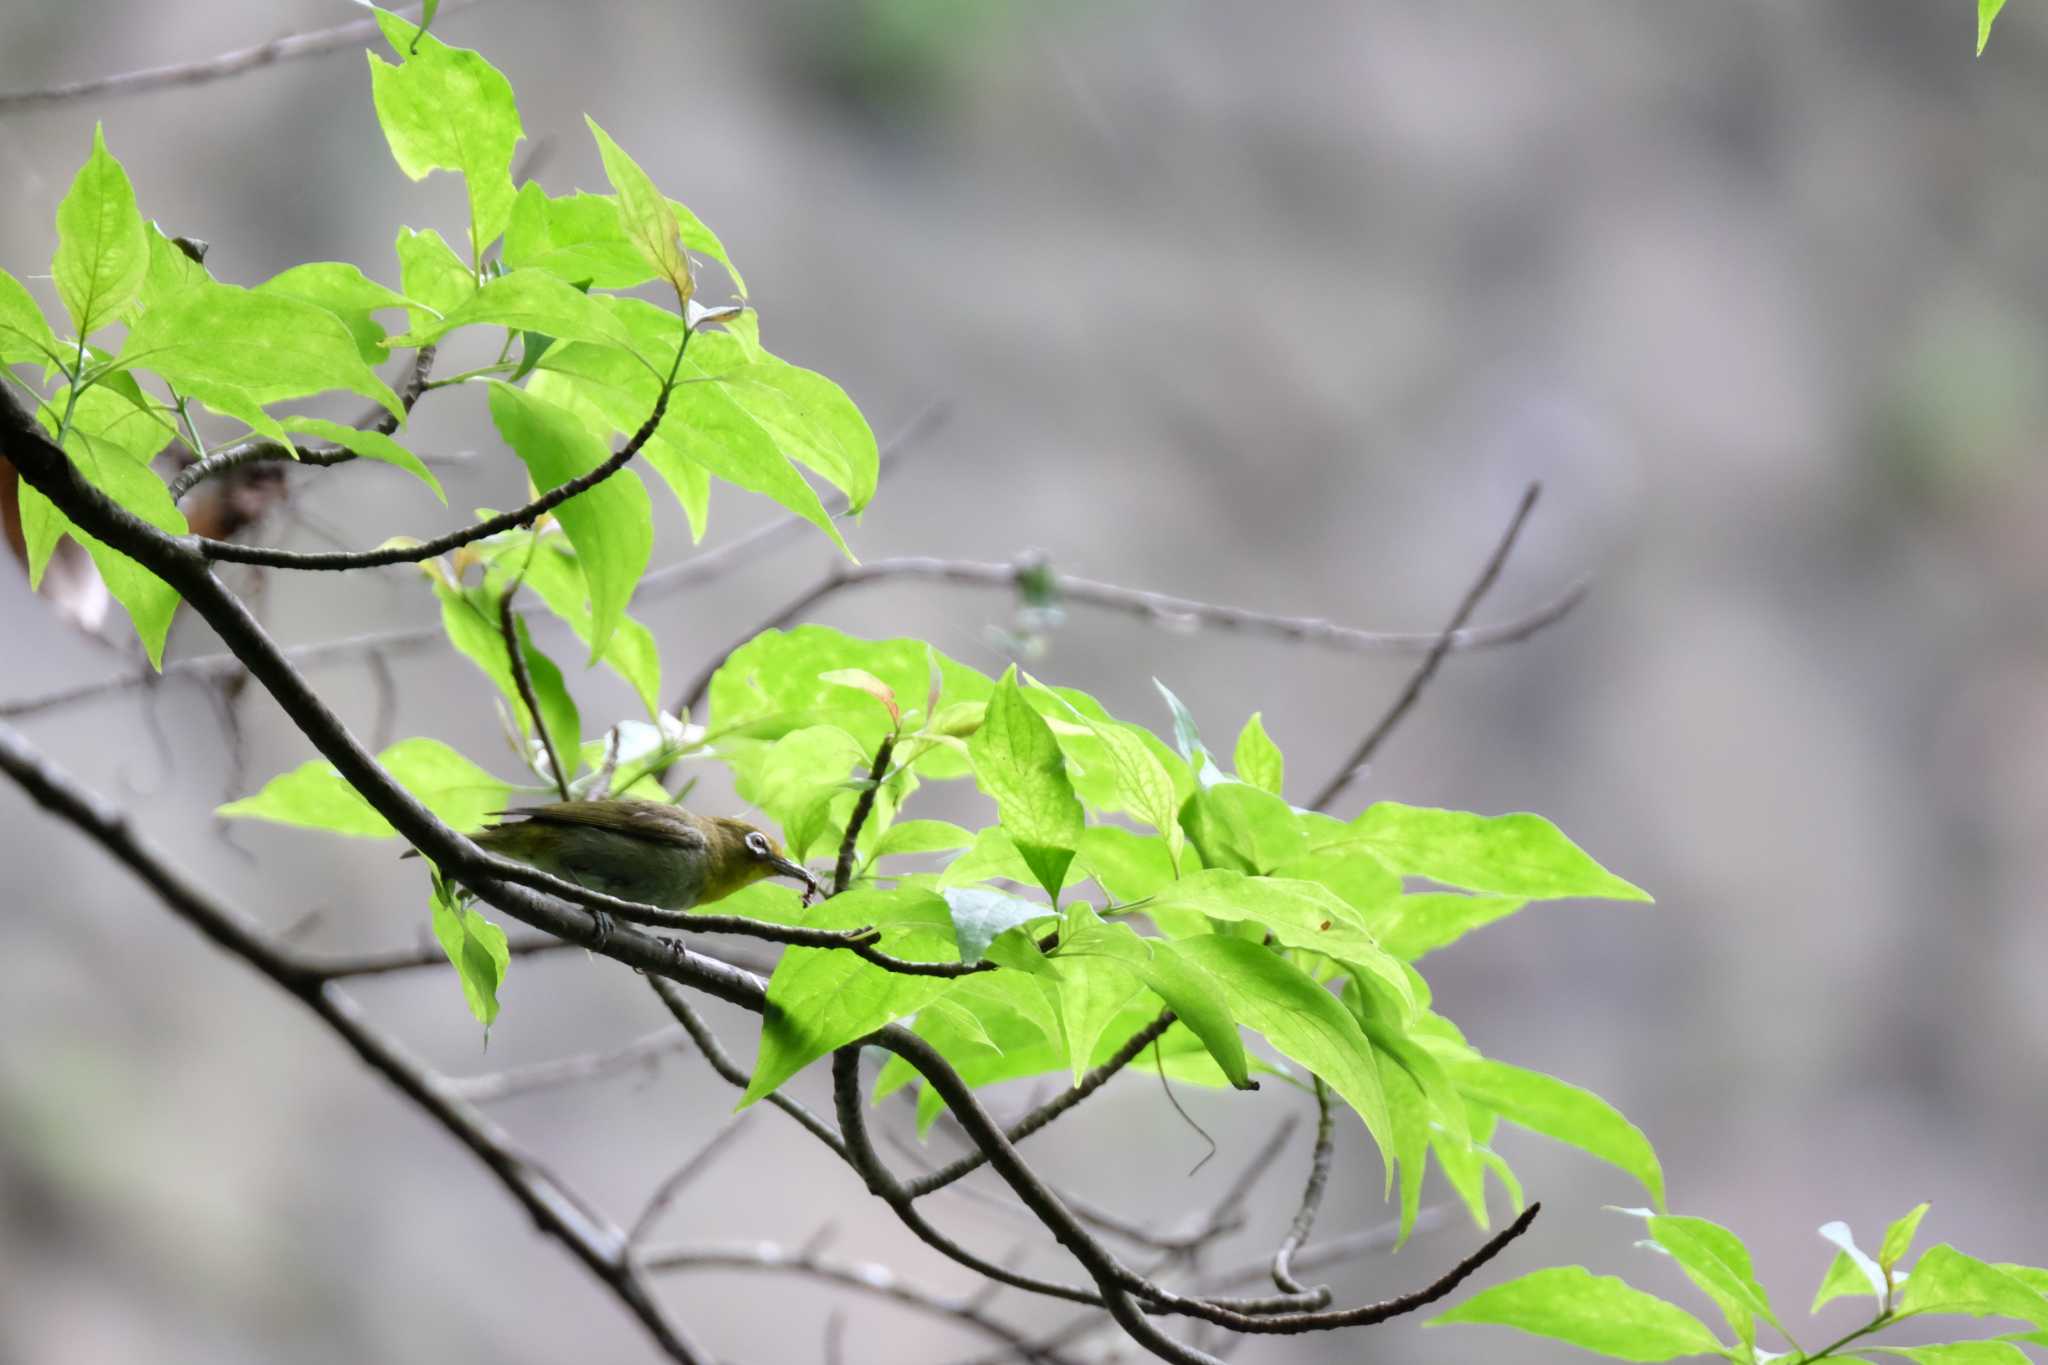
(645, 851)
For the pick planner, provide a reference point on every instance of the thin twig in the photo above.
(378, 419)
(1445, 642)
(699, 1161)
(522, 682)
(866, 1277)
(842, 871)
(1045, 1113)
(729, 1071)
(1311, 1199)
(1154, 608)
(309, 44)
(231, 552)
(588, 1066)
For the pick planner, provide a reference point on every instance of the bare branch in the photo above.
(1159, 609)
(522, 682)
(866, 1277)
(588, 1066)
(1443, 645)
(1311, 1200)
(309, 44)
(730, 1072)
(592, 1239)
(229, 551)
(700, 1161)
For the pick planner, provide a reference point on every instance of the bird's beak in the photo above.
(789, 867)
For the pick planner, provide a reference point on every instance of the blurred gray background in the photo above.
(1275, 305)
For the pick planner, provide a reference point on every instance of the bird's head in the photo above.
(742, 855)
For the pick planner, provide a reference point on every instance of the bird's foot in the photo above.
(600, 930)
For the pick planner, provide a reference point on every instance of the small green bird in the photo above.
(645, 851)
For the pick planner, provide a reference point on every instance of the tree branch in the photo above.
(231, 552)
(593, 1240)
(588, 1066)
(379, 420)
(1154, 608)
(1311, 1200)
(867, 1277)
(1044, 1114)
(1445, 642)
(309, 44)
(522, 681)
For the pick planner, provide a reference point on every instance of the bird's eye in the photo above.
(757, 843)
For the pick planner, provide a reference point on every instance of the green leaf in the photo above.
(703, 432)
(1302, 1020)
(1418, 924)
(1143, 785)
(1844, 1278)
(1093, 993)
(477, 950)
(1510, 855)
(1169, 972)
(435, 280)
(611, 525)
(650, 224)
(170, 270)
(698, 237)
(102, 254)
(1716, 1260)
(24, 334)
(314, 796)
(1594, 1312)
(1944, 1280)
(446, 108)
(1298, 914)
(532, 301)
(1189, 739)
(1898, 1238)
(109, 443)
(810, 418)
(824, 998)
(1238, 826)
(370, 445)
(1258, 759)
(344, 291)
(981, 913)
(1987, 10)
(920, 836)
(1961, 1353)
(1579, 1118)
(266, 345)
(1018, 763)
(578, 238)
(1127, 865)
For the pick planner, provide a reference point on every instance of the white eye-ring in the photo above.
(758, 843)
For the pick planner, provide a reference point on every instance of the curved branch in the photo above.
(228, 551)
(379, 420)
(522, 682)
(1311, 1200)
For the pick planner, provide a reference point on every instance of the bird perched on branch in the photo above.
(645, 851)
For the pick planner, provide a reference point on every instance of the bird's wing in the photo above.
(635, 819)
